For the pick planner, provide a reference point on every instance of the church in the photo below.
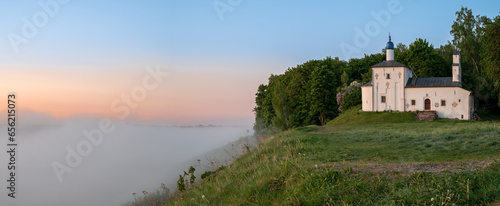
(394, 87)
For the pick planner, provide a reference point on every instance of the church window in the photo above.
(443, 102)
(387, 76)
(383, 99)
(413, 102)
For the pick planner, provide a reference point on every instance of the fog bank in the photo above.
(132, 158)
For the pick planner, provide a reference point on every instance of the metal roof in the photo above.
(432, 82)
(367, 84)
(391, 63)
(390, 45)
(456, 52)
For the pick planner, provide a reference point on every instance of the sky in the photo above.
(68, 58)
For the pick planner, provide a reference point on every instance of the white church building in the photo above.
(395, 88)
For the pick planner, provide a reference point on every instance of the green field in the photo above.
(359, 158)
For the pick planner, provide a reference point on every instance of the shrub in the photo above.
(349, 96)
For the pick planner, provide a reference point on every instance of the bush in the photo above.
(349, 96)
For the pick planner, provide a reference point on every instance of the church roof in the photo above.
(391, 63)
(432, 82)
(367, 84)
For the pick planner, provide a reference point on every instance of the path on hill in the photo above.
(470, 165)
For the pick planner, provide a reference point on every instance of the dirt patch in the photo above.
(439, 167)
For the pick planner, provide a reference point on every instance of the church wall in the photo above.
(408, 74)
(456, 101)
(366, 98)
(388, 84)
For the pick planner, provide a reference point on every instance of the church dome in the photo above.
(390, 45)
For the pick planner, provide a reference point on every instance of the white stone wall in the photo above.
(392, 88)
(366, 98)
(457, 101)
(389, 54)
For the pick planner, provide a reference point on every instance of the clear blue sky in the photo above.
(254, 39)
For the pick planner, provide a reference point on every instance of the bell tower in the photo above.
(389, 50)
(456, 67)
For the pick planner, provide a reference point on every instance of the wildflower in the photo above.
(432, 199)
(316, 166)
(203, 197)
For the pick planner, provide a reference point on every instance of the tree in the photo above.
(467, 34)
(446, 52)
(359, 69)
(344, 78)
(424, 60)
(280, 105)
(400, 53)
(491, 52)
(264, 112)
(322, 93)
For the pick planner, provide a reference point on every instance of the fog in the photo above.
(132, 158)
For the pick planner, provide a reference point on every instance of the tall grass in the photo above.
(317, 165)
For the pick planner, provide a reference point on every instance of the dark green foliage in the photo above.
(401, 53)
(425, 61)
(467, 34)
(206, 174)
(345, 79)
(282, 110)
(306, 94)
(446, 52)
(180, 184)
(303, 95)
(478, 54)
(349, 96)
(322, 94)
(192, 178)
(183, 184)
(264, 111)
(491, 52)
(359, 69)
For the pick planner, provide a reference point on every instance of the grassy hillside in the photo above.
(363, 159)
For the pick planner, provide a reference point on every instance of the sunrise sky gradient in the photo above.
(91, 52)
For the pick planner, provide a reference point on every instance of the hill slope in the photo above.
(363, 159)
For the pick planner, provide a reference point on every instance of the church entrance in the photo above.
(427, 104)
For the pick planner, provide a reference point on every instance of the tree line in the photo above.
(316, 91)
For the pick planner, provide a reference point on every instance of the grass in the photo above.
(339, 164)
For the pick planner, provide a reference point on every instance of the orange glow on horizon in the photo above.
(184, 96)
